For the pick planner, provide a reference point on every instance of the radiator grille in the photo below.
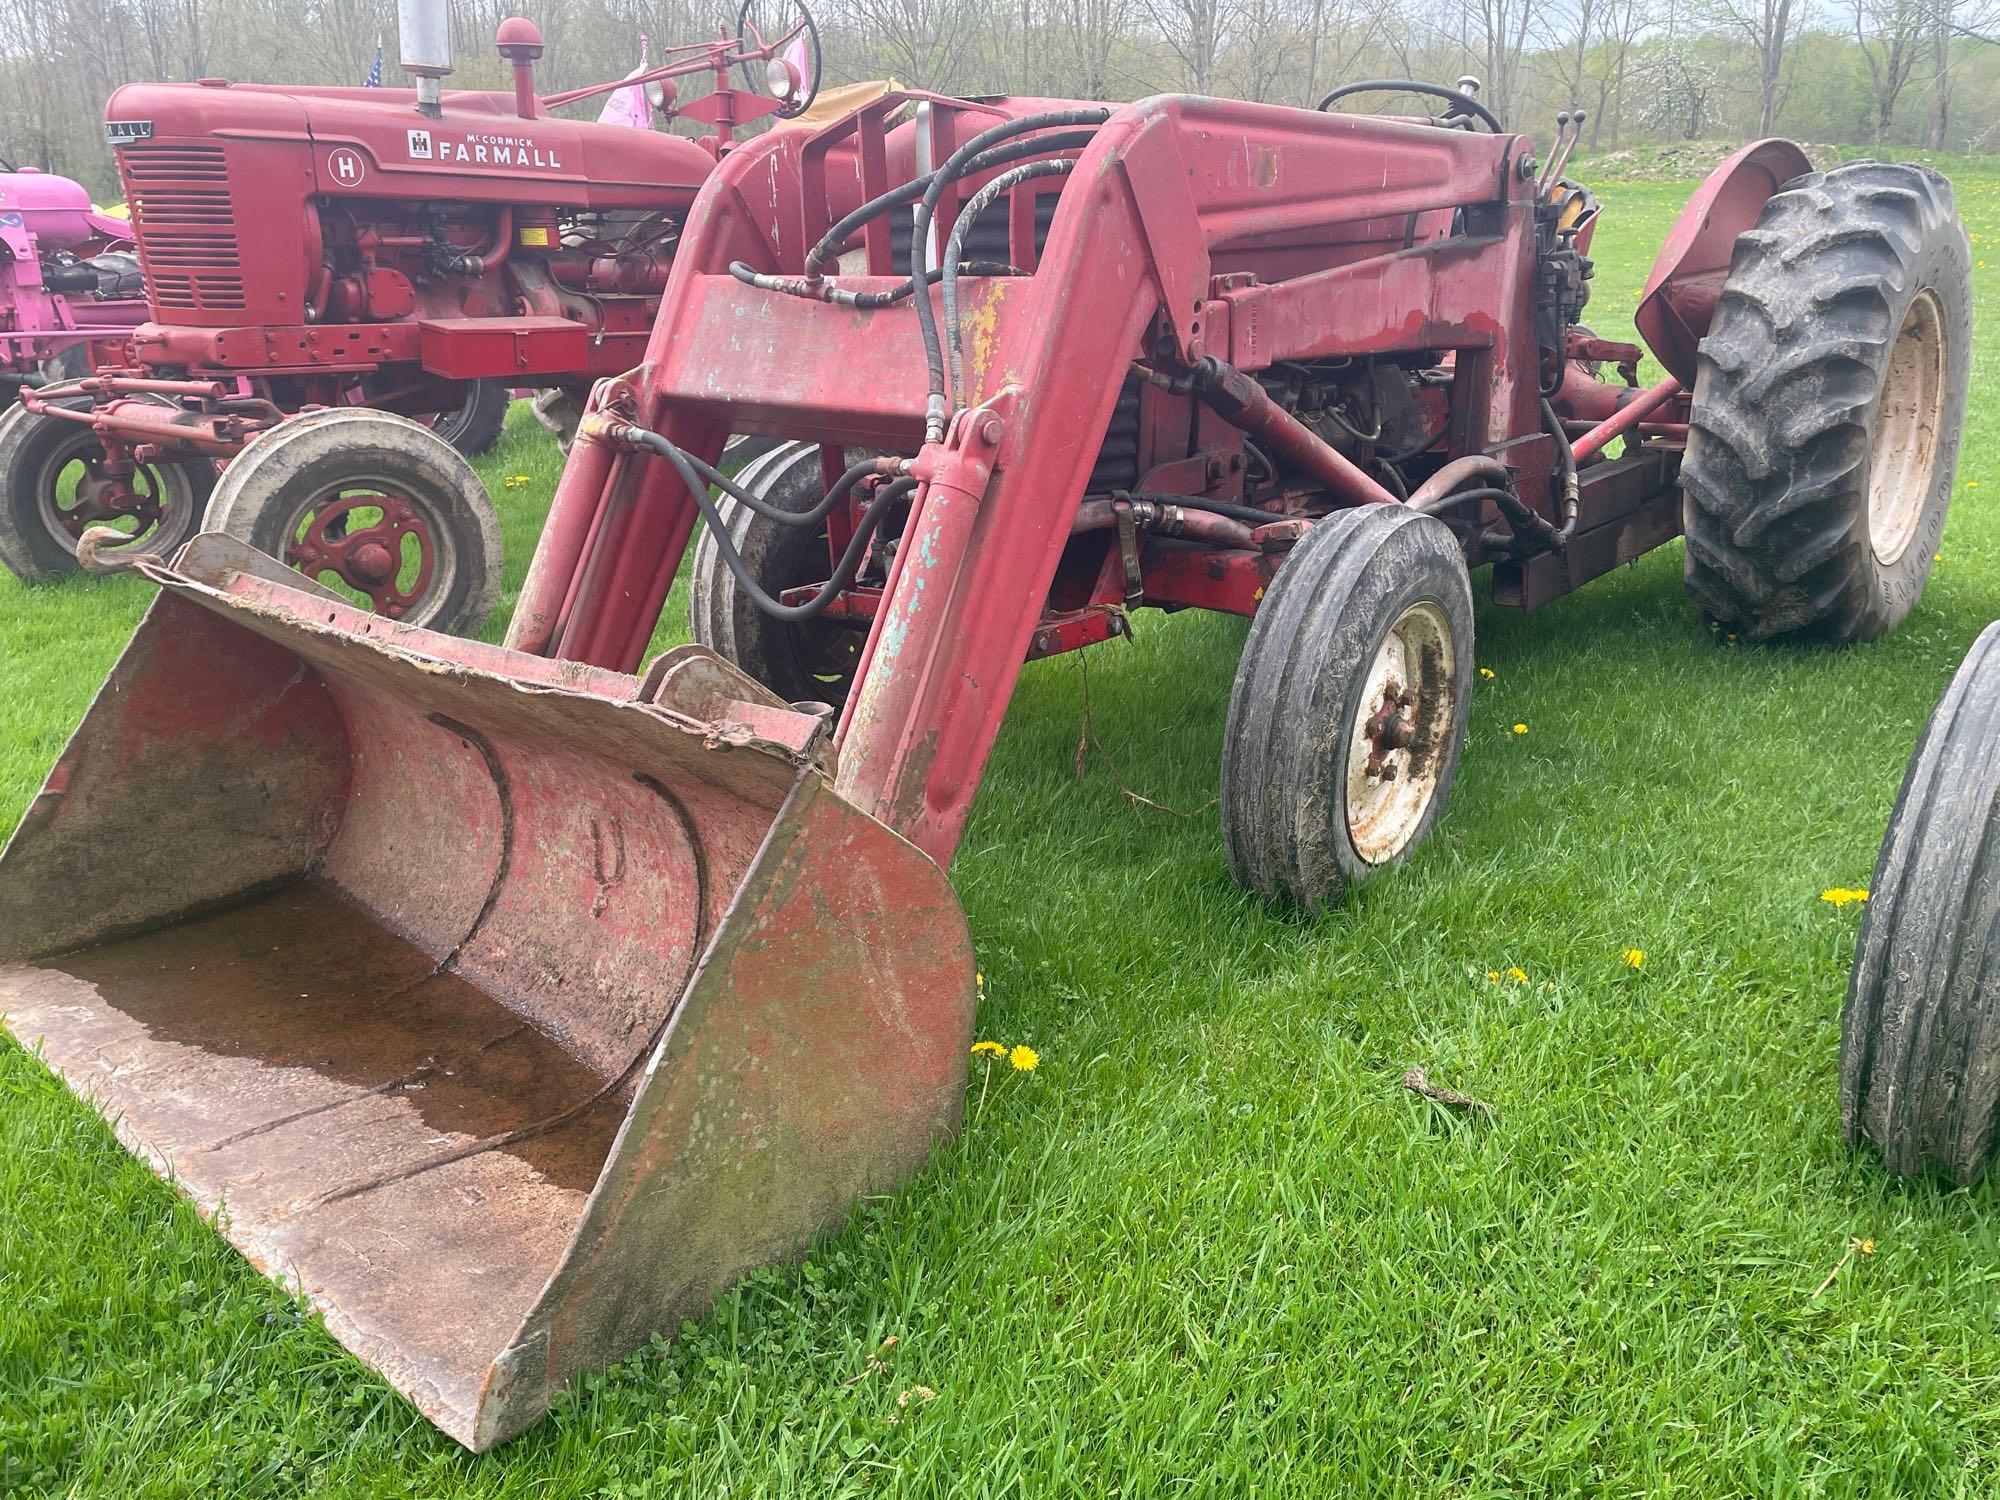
(186, 225)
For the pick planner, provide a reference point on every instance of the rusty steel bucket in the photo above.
(506, 1009)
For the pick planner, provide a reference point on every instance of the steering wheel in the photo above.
(1460, 104)
(758, 22)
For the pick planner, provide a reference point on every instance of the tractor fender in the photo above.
(1681, 290)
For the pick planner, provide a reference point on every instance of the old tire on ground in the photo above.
(375, 506)
(475, 426)
(1828, 404)
(809, 661)
(1350, 705)
(1920, 1034)
(43, 511)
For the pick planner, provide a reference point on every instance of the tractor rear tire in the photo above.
(476, 426)
(308, 489)
(1350, 705)
(35, 452)
(1829, 401)
(1920, 1034)
(810, 661)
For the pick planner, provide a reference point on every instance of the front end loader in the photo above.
(509, 1002)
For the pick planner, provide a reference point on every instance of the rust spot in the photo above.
(1265, 171)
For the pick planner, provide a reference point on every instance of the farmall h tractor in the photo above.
(68, 275)
(369, 256)
(630, 975)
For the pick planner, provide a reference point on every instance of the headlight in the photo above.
(780, 78)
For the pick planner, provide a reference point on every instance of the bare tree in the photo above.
(1770, 27)
(1890, 36)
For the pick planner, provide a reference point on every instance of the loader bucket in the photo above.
(506, 1009)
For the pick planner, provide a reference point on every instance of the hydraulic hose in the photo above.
(968, 215)
(1571, 496)
(937, 404)
(826, 291)
(689, 469)
(831, 243)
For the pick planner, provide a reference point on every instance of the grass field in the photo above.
(1209, 1246)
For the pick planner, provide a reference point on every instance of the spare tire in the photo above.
(1829, 400)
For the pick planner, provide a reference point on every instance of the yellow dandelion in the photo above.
(1518, 976)
(1487, 673)
(1494, 975)
(1024, 1059)
(1635, 958)
(1866, 1247)
(1972, 484)
(1520, 729)
(1841, 895)
(989, 1049)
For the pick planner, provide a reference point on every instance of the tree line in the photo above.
(1894, 73)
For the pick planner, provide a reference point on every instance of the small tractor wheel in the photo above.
(1829, 400)
(72, 363)
(476, 425)
(51, 490)
(560, 414)
(1920, 1035)
(375, 506)
(1350, 705)
(808, 661)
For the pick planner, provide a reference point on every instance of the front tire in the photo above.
(806, 661)
(1829, 401)
(375, 506)
(48, 488)
(1920, 1033)
(1350, 705)
(478, 423)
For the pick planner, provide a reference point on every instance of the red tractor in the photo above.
(372, 256)
(628, 976)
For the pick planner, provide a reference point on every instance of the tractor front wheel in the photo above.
(1350, 705)
(1829, 400)
(476, 426)
(53, 486)
(805, 661)
(377, 507)
(1920, 1035)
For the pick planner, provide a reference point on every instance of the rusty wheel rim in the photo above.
(373, 544)
(1908, 430)
(74, 494)
(1394, 755)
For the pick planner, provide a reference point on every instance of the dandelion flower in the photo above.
(1635, 958)
(989, 1049)
(1866, 1247)
(1493, 974)
(1518, 976)
(1841, 895)
(1024, 1059)
(1520, 729)
(1487, 673)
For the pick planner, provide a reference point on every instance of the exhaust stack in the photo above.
(423, 32)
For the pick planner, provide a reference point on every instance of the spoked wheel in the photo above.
(792, 76)
(476, 425)
(1350, 705)
(1920, 1035)
(53, 485)
(802, 661)
(376, 507)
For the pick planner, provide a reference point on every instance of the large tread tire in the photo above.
(1308, 682)
(1796, 418)
(805, 662)
(477, 425)
(1920, 1033)
(287, 473)
(34, 450)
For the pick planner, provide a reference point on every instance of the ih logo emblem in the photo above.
(346, 167)
(420, 145)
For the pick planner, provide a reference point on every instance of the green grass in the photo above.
(1210, 1246)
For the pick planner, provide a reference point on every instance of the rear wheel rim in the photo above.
(375, 543)
(1909, 430)
(72, 494)
(1396, 754)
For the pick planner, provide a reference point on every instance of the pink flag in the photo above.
(628, 106)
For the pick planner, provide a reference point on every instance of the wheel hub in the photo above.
(1909, 430)
(1406, 710)
(368, 557)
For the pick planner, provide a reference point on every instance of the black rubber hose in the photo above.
(1248, 513)
(968, 215)
(1459, 100)
(820, 511)
(843, 574)
(1571, 499)
(938, 402)
(835, 239)
(826, 291)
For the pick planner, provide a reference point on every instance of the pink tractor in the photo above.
(68, 274)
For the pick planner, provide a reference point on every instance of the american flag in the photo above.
(374, 78)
